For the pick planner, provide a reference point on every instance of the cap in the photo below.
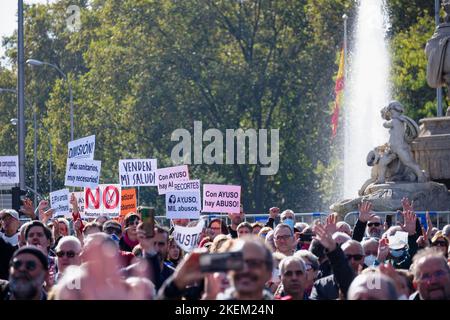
(13, 213)
(38, 253)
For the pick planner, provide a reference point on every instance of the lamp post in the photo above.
(38, 63)
(14, 122)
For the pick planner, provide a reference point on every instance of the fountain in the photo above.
(400, 149)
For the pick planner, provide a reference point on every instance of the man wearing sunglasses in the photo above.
(368, 223)
(67, 254)
(28, 272)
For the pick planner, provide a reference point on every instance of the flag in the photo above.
(338, 91)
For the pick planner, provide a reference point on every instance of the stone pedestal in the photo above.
(431, 196)
(431, 149)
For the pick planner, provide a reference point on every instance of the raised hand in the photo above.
(330, 225)
(74, 202)
(324, 237)
(365, 211)
(45, 216)
(407, 205)
(429, 226)
(189, 269)
(28, 209)
(383, 249)
(409, 224)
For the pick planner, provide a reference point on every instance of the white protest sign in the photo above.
(80, 199)
(9, 170)
(188, 238)
(221, 198)
(82, 148)
(82, 173)
(188, 185)
(166, 177)
(59, 201)
(105, 199)
(183, 205)
(137, 172)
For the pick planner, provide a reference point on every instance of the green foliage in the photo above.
(140, 69)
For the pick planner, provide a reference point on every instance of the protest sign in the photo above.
(137, 172)
(82, 148)
(80, 199)
(128, 201)
(183, 205)
(9, 170)
(105, 199)
(188, 238)
(166, 177)
(82, 173)
(221, 198)
(59, 201)
(188, 185)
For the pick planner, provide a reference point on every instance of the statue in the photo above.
(402, 131)
(385, 166)
(438, 66)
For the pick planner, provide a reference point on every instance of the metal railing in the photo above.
(438, 218)
(307, 217)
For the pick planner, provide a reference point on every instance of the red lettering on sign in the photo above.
(111, 201)
(89, 197)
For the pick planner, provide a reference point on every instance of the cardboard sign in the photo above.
(9, 170)
(82, 148)
(80, 199)
(188, 185)
(82, 173)
(188, 238)
(221, 198)
(166, 177)
(183, 205)
(103, 200)
(137, 172)
(128, 201)
(59, 201)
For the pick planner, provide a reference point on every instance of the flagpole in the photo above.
(345, 17)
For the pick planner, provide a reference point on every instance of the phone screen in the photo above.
(221, 262)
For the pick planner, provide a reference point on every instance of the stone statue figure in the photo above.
(402, 130)
(386, 166)
(438, 66)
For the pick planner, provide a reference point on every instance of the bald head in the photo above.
(372, 286)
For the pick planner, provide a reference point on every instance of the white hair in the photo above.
(69, 239)
(341, 237)
(287, 260)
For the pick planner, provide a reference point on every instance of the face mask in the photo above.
(369, 260)
(289, 222)
(397, 253)
(115, 237)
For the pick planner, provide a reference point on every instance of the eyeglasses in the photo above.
(439, 244)
(285, 237)
(373, 224)
(298, 273)
(30, 265)
(69, 254)
(134, 222)
(159, 244)
(438, 274)
(354, 256)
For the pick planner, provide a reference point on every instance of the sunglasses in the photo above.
(439, 244)
(356, 257)
(69, 254)
(373, 224)
(29, 265)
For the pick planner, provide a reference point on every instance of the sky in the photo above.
(8, 16)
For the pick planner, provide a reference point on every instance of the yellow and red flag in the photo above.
(338, 91)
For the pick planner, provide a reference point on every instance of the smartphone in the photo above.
(389, 220)
(221, 262)
(148, 220)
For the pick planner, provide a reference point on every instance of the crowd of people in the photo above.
(65, 259)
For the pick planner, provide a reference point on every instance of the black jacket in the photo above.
(328, 288)
(359, 230)
(6, 253)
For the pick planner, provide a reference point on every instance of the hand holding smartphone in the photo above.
(221, 262)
